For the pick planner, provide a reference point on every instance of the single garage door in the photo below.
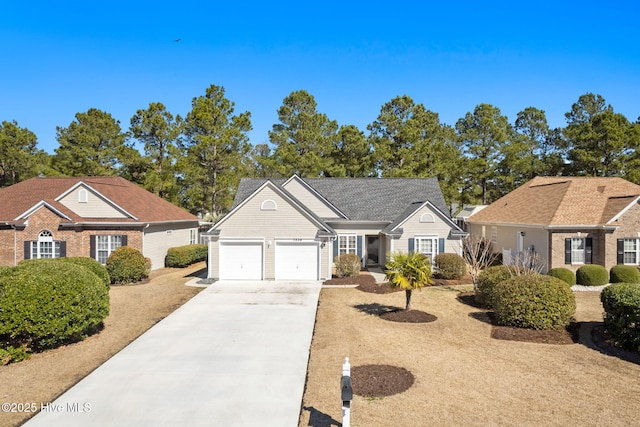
(240, 261)
(296, 261)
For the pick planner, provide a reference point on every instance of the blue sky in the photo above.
(61, 58)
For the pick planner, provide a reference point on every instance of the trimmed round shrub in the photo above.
(450, 266)
(621, 302)
(487, 281)
(347, 265)
(127, 265)
(592, 275)
(624, 274)
(183, 256)
(44, 305)
(534, 302)
(90, 263)
(563, 274)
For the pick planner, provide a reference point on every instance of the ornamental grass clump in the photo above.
(534, 302)
(592, 275)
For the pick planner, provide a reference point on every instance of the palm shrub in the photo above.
(408, 271)
(624, 274)
(347, 265)
(621, 303)
(127, 265)
(534, 301)
(46, 304)
(563, 274)
(487, 281)
(592, 275)
(450, 266)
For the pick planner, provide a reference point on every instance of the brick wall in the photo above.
(78, 241)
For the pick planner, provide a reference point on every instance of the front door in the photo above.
(373, 243)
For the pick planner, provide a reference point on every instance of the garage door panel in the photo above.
(240, 261)
(296, 261)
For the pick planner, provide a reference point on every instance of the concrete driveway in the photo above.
(234, 355)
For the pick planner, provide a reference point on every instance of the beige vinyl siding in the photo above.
(284, 223)
(310, 200)
(95, 207)
(412, 227)
(157, 239)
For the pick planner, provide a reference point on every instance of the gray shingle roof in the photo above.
(364, 199)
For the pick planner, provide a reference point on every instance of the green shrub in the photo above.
(127, 265)
(183, 256)
(624, 274)
(12, 354)
(46, 304)
(621, 302)
(563, 274)
(534, 302)
(90, 263)
(592, 275)
(487, 281)
(450, 266)
(347, 265)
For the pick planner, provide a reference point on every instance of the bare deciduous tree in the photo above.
(477, 252)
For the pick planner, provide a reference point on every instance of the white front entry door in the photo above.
(296, 261)
(240, 261)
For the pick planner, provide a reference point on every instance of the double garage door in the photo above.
(245, 261)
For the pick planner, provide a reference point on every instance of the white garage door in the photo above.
(240, 261)
(296, 261)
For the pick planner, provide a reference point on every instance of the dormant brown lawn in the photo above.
(463, 376)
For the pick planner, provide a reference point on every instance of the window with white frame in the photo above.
(105, 244)
(83, 196)
(45, 246)
(494, 234)
(347, 244)
(192, 236)
(428, 246)
(577, 250)
(631, 251)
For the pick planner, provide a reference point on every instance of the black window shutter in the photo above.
(63, 249)
(336, 247)
(567, 251)
(27, 249)
(412, 245)
(359, 246)
(124, 240)
(441, 245)
(92, 247)
(620, 257)
(588, 251)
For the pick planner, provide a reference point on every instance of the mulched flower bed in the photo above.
(408, 316)
(380, 380)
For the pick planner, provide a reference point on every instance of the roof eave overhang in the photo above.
(553, 227)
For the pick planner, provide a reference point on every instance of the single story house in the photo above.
(50, 217)
(567, 221)
(292, 229)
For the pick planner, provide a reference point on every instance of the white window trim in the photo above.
(574, 252)
(434, 245)
(494, 234)
(636, 251)
(269, 205)
(110, 245)
(348, 248)
(83, 196)
(192, 237)
(427, 217)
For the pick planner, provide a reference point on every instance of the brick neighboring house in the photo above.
(568, 221)
(53, 217)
